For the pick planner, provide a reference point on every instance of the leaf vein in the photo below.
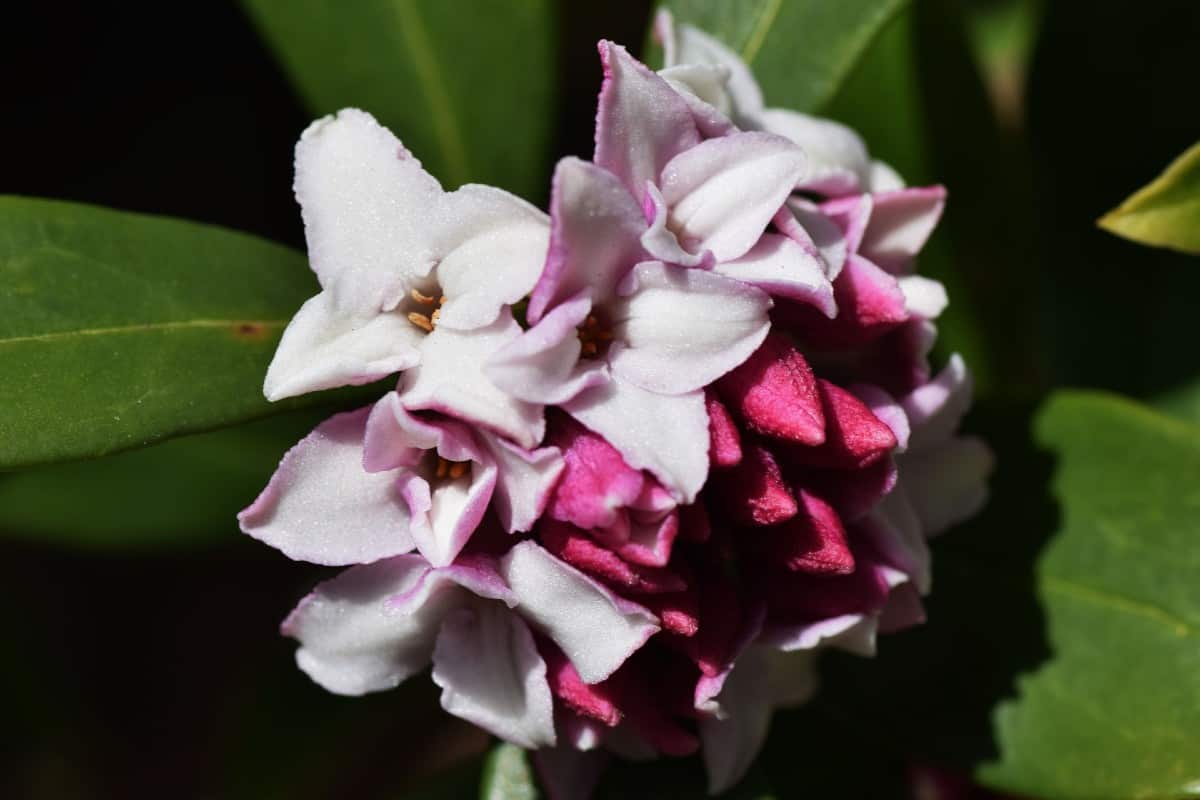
(1179, 627)
(117, 330)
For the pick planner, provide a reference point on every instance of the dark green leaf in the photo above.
(468, 85)
(508, 775)
(117, 329)
(1166, 212)
(181, 493)
(800, 50)
(1114, 713)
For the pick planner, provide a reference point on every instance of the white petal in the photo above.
(923, 297)
(524, 481)
(494, 247)
(681, 329)
(665, 434)
(595, 629)
(936, 409)
(491, 674)
(323, 506)
(823, 232)
(947, 484)
(723, 192)
(450, 380)
(882, 178)
(352, 639)
(854, 633)
(838, 159)
(703, 88)
(688, 45)
(781, 267)
(366, 204)
(324, 348)
(731, 743)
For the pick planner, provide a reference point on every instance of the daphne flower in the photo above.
(642, 502)
(407, 272)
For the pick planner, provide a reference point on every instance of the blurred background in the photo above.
(140, 656)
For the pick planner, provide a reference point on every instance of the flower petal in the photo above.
(774, 392)
(594, 628)
(324, 348)
(450, 380)
(837, 156)
(901, 223)
(684, 44)
(781, 267)
(453, 509)
(869, 301)
(524, 481)
(641, 123)
(594, 228)
(731, 744)
(492, 675)
(665, 434)
(723, 192)
(352, 642)
(803, 222)
(494, 252)
(542, 365)
(366, 205)
(681, 329)
(947, 484)
(596, 483)
(936, 409)
(923, 297)
(702, 87)
(322, 506)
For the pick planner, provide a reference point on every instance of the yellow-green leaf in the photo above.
(1166, 212)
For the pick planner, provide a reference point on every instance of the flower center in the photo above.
(450, 469)
(593, 337)
(430, 306)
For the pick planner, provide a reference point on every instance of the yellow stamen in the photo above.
(421, 321)
(423, 299)
(442, 466)
(433, 318)
(458, 469)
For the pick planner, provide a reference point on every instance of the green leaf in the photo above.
(1114, 712)
(507, 775)
(185, 492)
(1166, 212)
(469, 86)
(118, 329)
(800, 50)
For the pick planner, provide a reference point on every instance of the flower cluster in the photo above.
(648, 454)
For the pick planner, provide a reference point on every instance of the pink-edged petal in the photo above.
(680, 329)
(524, 481)
(323, 348)
(947, 484)
(723, 192)
(854, 633)
(594, 628)
(366, 204)
(854, 437)
(895, 532)
(731, 743)
(542, 365)
(702, 87)
(936, 409)
(395, 438)
(869, 301)
(774, 392)
(595, 224)
(491, 674)
(813, 541)
(664, 434)
(901, 223)
(353, 642)
(322, 506)
(781, 267)
(451, 380)
(596, 482)
(493, 252)
(641, 123)
(446, 514)
(837, 156)
(923, 297)
(887, 410)
(802, 221)
(851, 214)
(592, 701)
(651, 537)
(685, 44)
(659, 241)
